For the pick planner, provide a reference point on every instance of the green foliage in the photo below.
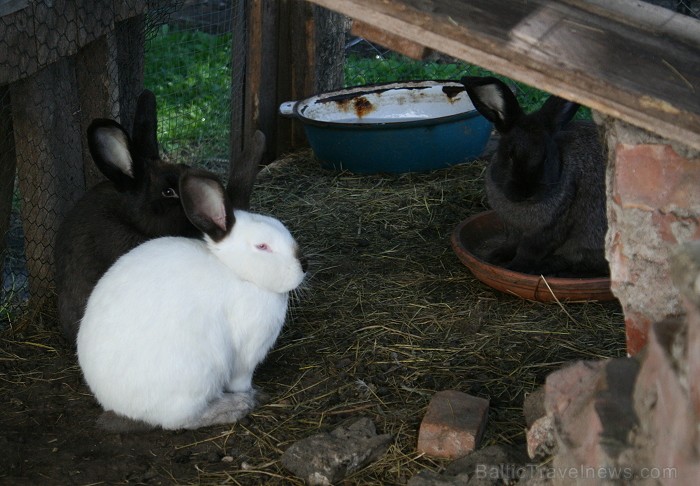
(190, 74)
(361, 70)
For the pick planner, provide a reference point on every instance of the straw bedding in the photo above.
(387, 317)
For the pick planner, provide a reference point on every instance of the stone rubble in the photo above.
(327, 458)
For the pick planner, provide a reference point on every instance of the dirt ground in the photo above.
(388, 317)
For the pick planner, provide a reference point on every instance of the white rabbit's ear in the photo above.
(110, 147)
(494, 100)
(206, 204)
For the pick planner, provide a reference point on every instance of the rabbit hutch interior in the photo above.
(392, 322)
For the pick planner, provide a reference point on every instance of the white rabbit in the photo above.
(174, 330)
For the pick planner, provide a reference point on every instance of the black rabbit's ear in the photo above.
(244, 171)
(110, 147)
(494, 100)
(206, 204)
(557, 112)
(145, 129)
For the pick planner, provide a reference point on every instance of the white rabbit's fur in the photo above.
(174, 330)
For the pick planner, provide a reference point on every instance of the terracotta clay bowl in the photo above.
(478, 234)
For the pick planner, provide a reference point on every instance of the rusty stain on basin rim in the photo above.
(393, 127)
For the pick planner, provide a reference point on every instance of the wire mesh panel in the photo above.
(368, 63)
(63, 64)
(685, 7)
(188, 67)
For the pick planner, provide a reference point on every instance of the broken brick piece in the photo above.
(453, 425)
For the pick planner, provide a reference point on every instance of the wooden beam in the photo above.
(619, 59)
(36, 34)
(11, 6)
(409, 48)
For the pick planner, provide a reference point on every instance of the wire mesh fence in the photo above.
(685, 7)
(188, 67)
(50, 90)
(62, 64)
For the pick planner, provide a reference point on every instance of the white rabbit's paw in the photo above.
(227, 409)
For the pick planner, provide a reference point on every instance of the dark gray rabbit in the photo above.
(546, 182)
(139, 201)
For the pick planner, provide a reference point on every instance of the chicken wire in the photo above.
(39, 171)
(199, 32)
(369, 63)
(685, 7)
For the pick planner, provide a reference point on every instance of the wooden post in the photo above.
(130, 37)
(260, 108)
(238, 71)
(97, 91)
(7, 169)
(296, 73)
(46, 125)
(311, 60)
(294, 50)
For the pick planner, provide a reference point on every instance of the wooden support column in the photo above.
(311, 60)
(7, 168)
(238, 77)
(261, 71)
(46, 126)
(130, 35)
(98, 93)
(294, 50)
(296, 73)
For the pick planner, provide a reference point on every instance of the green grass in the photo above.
(190, 74)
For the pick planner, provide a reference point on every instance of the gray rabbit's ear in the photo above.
(557, 112)
(111, 149)
(494, 100)
(206, 204)
(145, 129)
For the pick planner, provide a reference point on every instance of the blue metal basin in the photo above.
(397, 127)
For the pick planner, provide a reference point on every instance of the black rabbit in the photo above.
(140, 201)
(546, 182)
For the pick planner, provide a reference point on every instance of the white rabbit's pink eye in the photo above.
(169, 192)
(262, 247)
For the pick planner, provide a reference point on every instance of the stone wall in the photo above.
(653, 190)
(631, 420)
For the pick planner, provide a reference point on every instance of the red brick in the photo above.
(453, 425)
(655, 177)
(541, 440)
(663, 406)
(636, 329)
(693, 352)
(572, 387)
(673, 228)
